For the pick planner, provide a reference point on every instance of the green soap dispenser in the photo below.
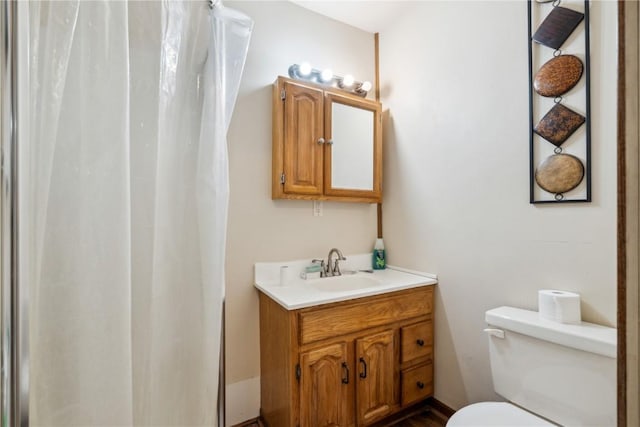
(379, 261)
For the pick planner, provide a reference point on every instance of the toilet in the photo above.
(550, 373)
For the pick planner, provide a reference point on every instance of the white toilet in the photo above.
(551, 373)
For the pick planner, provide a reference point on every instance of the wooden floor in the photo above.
(424, 418)
(255, 423)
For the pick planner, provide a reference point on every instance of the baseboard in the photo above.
(242, 401)
(256, 422)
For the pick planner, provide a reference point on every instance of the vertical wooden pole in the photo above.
(622, 225)
(628, 212)
(376, 44)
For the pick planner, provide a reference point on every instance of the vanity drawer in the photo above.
(417, 383)
(416, 341)
(343, 319)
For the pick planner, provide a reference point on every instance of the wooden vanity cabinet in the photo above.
(327, 144)
(350, 363)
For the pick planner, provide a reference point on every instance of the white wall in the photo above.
(454, 79)
(454, 82)
(261, 229)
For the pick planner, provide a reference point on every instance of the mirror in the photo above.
(352, 148)
(353, 161)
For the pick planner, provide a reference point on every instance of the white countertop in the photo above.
(302, 293)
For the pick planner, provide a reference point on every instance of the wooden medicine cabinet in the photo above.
(327, 144)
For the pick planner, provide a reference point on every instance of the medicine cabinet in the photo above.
(327, 144)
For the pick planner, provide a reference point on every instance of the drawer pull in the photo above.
(345, 380)
(420, 385)
(420, 342)
(364, 365)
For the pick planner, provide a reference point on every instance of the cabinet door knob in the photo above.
(420, 342)
(330, 142)
(420, 385)
(321, 141)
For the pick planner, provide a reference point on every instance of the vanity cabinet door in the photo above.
(303, 140)
(326, 387)
(375, 389)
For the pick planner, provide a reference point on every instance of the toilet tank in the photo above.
(565, 373)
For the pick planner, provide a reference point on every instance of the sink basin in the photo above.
(344, 283)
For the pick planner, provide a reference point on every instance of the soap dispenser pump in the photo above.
(379, 260)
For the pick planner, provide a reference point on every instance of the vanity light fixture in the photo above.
(326, 76)
(304, 71)
(348, 80)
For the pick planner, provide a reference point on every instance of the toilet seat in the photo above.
(489, 414)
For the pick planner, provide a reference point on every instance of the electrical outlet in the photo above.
(317, 208)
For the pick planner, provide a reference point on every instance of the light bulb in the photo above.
(366, 86)
(347, 80)
(304, 69)
(326, 75)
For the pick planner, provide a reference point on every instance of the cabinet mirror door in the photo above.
(353, 157)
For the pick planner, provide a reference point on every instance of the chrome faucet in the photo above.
(334, 270)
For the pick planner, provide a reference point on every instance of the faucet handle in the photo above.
(323, 271)
(336, 267)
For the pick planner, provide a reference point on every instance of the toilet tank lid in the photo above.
(585, 336)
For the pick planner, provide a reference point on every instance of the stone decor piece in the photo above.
(558, 124)
(560, 173)
(558, 76)
(557, 27)
(559, 68)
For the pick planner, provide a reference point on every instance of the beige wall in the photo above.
(454, 83)
(457, 182)
(261, 229)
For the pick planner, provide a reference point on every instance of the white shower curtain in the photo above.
(128, 186)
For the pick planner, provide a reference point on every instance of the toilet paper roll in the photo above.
(559, 306)
(287, 275)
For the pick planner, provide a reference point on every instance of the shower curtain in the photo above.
(127, 187)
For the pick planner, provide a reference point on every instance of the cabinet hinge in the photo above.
(282, 178)
(298, 372)
(283, 94)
